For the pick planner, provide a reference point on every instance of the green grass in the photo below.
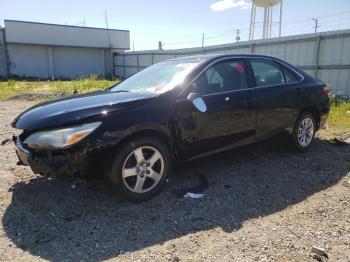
(84, 85)
(339, 116)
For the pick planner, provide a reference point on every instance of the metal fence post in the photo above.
(137, 62)
(152, 58)
(124, 71)
(114, 65)
(252, 48)
(51, 62)
(317, 55)
(6, 54)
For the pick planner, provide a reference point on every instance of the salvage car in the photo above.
(177, 110)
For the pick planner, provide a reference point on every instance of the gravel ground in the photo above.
(264, 203)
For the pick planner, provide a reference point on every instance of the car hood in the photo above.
(76, 109)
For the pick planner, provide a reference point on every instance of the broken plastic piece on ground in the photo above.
(5, 141)
(193, 195)
(203, 185)
(341, 141)
(20, 163)
(319, 251)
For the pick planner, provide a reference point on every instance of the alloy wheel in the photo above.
(305, 132)
(143, 169)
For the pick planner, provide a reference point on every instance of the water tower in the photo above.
(267, 6)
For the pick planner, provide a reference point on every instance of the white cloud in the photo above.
(226, 4)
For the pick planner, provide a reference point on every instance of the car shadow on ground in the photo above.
(50, 219)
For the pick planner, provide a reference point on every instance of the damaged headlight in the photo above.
(60, 138)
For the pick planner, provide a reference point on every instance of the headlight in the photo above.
(60, 138)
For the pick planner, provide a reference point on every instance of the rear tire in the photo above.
(304, 131)
(140, 168)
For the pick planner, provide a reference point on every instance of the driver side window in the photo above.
(222, 77)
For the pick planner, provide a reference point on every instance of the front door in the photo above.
(230, 117)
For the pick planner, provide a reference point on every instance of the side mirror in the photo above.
(197, 102)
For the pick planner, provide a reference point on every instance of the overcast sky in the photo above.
(177, 23)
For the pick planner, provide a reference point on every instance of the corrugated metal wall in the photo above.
(325, 55)
(58, 62)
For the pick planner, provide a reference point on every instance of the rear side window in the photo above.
(222, 77)
(267, 72)
(289, 76)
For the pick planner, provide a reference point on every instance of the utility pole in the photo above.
(160, 45)
(106, 19)
(280, 25)
(238, 38)
(84, 22)
(109, 36)
(202, 40)
(316, 26)
(110, 44)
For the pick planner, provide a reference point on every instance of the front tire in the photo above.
(304, 131)
(140, 168)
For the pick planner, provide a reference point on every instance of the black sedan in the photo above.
(180, 109)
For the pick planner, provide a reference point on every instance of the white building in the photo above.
(42, 50)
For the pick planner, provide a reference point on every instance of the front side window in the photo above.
(267, 72)
(222, 77)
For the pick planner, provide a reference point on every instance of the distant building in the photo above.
(40, 50)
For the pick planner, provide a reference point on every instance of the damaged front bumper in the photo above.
(50, 162)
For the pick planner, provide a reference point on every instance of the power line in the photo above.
(225, 36)
(321, 16)
(81, 23)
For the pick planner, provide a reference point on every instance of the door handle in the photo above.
(227, 98)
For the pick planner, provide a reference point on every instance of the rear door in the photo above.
(229, 119)
(278, 96)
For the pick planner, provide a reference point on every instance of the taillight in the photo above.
(326, 90)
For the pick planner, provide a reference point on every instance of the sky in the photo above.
(181, 23)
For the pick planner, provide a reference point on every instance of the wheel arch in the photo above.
(129, 135)
(161, 135)
(314, 112)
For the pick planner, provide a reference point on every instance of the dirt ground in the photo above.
(264, 203)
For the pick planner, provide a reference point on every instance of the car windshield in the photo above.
(158, 78)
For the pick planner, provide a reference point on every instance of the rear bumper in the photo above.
(51, 162)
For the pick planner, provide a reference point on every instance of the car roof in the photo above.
(210, 57)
